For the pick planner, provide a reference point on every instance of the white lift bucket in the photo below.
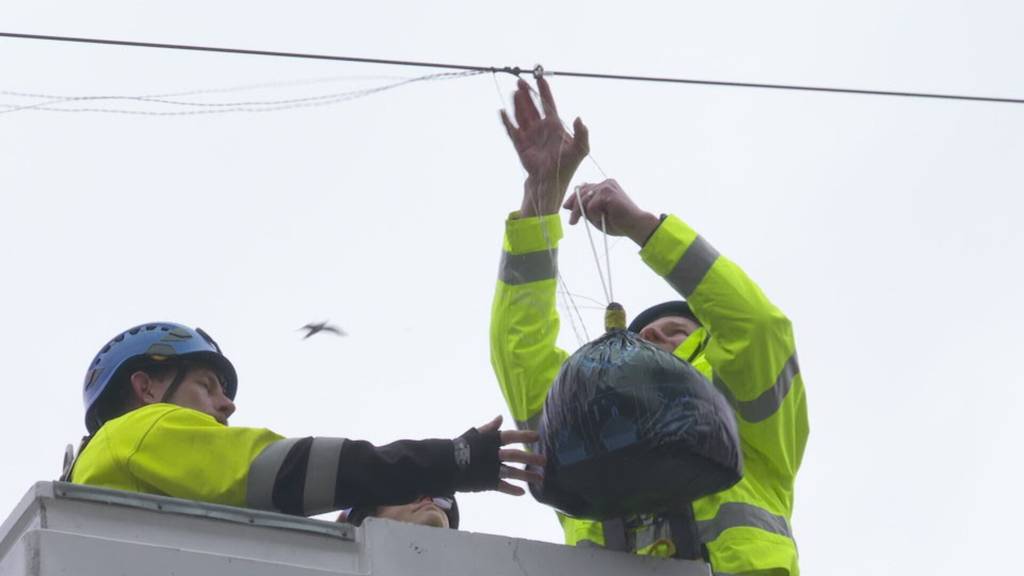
(69, 529)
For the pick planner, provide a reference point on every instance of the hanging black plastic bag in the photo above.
(630, 429)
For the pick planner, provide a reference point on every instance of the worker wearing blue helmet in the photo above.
(157, 401)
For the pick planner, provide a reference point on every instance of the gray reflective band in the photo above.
(693, 265)
(530, 267)
(530, 424)
(321, 475)
(259, 490)
(614, 534)
(738, 514)
(770, 400)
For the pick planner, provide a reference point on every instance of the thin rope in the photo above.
(593, 248)
(516, 71)
(595, 301)
(56, 105)
(239, 88)
(607, 260)
(576, 310)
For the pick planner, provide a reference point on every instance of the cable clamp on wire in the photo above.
(538, 72)
(513, 70)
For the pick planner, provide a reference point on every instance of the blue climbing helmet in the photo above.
(148, 345)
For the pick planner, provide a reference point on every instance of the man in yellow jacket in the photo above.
(726, 328)
(158, 397)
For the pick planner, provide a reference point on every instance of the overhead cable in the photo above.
(515, 70)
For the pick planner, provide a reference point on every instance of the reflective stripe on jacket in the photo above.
(745, 347)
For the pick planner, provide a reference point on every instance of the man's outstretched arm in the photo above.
(187, 454)
(524, 320)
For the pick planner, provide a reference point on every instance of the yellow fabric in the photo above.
(524, 323)
(173, 451)
(747, 342)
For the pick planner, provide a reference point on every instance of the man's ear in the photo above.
(145, 390)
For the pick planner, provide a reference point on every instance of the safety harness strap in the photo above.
(179, 377)
(685, 537)
(615, 534)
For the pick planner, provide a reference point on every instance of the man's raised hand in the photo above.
(547, 151)
(607, 204)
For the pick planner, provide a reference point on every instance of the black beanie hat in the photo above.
(670, 308)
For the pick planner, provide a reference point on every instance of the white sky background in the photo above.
(886, 228)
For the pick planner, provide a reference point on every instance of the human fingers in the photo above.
(597, 204)
(513, 132)
(591, 202)
(581, 137)
(526, 111)
(490, 426)
(518, 437)
(522, 457)
(510, 489)
(575, 203)
(513, 473)
(547, 100)
(570, 199)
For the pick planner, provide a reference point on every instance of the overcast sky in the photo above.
(886, 228)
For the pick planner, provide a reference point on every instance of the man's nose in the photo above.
(227, 407)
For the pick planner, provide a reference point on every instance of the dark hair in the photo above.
(117, 398)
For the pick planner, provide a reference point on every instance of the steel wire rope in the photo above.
(515, 70)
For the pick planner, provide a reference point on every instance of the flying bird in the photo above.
(315, 327)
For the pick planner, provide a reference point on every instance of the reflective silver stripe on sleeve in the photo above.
(768, 403)
(693, 265)
(530, 424)
(738, 514)
(321, 475)
(259, 490)
(530, 267)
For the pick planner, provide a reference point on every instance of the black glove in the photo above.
(476, 460)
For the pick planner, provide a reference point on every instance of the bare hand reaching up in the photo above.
(547, 151)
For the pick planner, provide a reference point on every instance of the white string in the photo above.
(594, 301)
(207, 91)
(608, 293)
(607, 260)
(593, 248)
(57, 104)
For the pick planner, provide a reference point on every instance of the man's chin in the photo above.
(432, 516)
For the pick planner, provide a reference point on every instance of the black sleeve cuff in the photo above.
(476, 459)
(651, 235)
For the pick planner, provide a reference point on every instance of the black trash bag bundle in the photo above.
(628, 428)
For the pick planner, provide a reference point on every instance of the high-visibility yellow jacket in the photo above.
(745, 347)
(175, 451)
